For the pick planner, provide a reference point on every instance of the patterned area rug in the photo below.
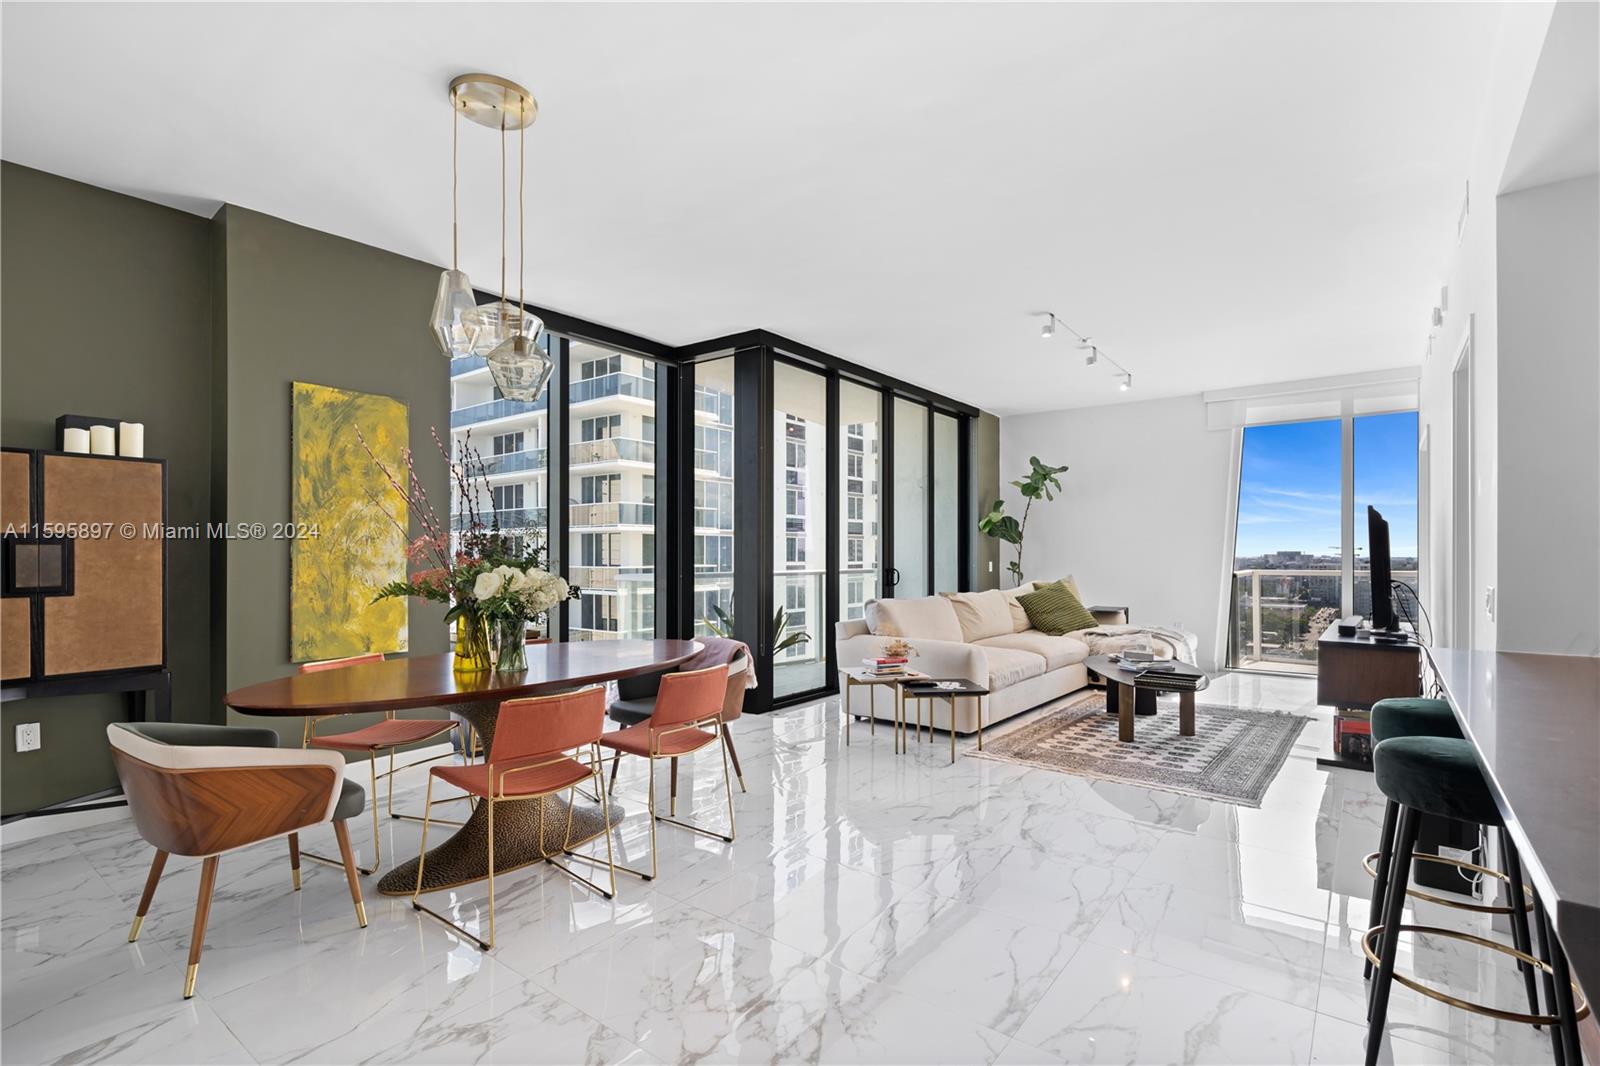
(1233, 756)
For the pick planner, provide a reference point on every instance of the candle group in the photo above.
(102, 440)
(131, 438)
(75, 441)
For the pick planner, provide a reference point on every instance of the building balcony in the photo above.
(607, 385)
(602, 578)
(510, 519)
(513, 462)
(490, 411)
(582, 515)
(1279, 615)
(467, 365)
(612, 450)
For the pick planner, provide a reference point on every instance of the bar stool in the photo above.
(1440, 776)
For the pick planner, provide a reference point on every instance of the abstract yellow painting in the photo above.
(345, 547)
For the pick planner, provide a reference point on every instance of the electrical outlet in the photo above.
(991, 566)
(1488, 601)
(28, 736)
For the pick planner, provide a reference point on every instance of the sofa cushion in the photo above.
(1056, 651)
(1019, 617)
(1055, 610)
(1007, 666)
(921, 617)
(981, 614)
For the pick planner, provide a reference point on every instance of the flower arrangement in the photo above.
(488, 577)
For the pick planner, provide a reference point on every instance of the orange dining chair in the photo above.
(686, 718)
(387, 735)
(531, 757)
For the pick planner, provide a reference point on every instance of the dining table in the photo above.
(433, 681)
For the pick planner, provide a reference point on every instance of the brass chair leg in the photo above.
(202, 912)
(342, 833)
(157, 864)
(294, 859)
(727, 738)
(491, 862)
(422, 862)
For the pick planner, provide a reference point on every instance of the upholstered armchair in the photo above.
(201, 790)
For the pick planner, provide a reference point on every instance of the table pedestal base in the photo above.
(464, 857)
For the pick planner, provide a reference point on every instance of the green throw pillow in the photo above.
(1053, 609)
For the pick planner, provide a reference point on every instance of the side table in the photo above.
(867, 679)
(949, 689)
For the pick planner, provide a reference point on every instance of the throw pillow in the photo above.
(1053, 609)
(981, 614)
(1019, 617)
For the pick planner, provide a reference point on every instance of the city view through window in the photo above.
(1289, 553)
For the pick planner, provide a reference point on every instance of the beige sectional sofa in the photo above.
(983, 636)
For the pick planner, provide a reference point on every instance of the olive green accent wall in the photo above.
(301, 305)
(105, 309)
(986, 475)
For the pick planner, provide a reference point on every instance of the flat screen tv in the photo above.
(1383, 619)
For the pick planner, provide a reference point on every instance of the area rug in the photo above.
(1233, 756)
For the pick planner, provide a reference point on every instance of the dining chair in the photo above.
(686, 718)
(636, 701)
(387, 735)
(202, 790)
(530, 757)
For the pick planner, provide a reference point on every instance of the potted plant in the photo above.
(1041, 482)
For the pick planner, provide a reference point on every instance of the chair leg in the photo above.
(157, 864)
(616, 762)
(294, 859)
(727, 738)
(672, 801)
(652, 818)
(202, 912)
(372, 798)
(1542, 929)
(422, 862)
(491, 862)
(342, 833)
(1394, 909)
(1391, 813)
(1565, 1036)
(1519, 918)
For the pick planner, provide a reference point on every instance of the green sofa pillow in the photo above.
(1053, 609)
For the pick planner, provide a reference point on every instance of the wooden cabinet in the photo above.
(85, 565)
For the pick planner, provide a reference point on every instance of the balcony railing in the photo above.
(611, 577)
(612, 385)
(1279, 615)
(467, 365)
(802, 667)
(489, 410)
(511, 519)
(612, 450)
(511, 462)
(611, 514)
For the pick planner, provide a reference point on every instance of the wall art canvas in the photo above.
(345, 547)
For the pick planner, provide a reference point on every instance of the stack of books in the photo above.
(1169, 676)
(885, 665)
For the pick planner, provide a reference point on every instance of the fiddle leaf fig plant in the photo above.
(1042, 482)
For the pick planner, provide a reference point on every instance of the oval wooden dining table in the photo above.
(431, 681)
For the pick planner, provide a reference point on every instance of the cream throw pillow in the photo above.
(981, 614)
(923, 617)
(1019, 617)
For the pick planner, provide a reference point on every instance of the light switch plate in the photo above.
(1488, 601)
(27, 736)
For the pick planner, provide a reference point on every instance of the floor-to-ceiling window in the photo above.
(946, 503)
(800, 538)
(510, 440)
(911, 488)
(611, 492)
(860, 461)
(1298, 534)
(713, 516)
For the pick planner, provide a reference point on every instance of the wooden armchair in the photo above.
(201, 790)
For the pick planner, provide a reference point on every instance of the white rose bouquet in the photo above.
(509, 596)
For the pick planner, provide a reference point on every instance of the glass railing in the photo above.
(467, 365)
(508, 519)
(802, 667)
(611, 577)
(509, 462)
(1279, 615)
(611, 514)
(491, 409)
(612, 385)
(611, 450)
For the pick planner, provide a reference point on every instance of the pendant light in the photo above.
(518, 367)
(456, 322)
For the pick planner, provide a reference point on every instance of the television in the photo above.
(1383, 619)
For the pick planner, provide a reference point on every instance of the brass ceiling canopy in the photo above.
(493, 101)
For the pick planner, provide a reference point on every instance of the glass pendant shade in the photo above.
(519, 368)
(501, 322)
(456, 321)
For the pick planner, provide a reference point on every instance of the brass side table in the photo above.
(867, 679)
(950, 690)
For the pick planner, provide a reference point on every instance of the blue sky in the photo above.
(1289, 485)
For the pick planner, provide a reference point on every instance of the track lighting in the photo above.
(1092, 355)
(1127, 382)
(1049, 329)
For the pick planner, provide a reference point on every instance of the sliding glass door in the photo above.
(909, 574)
(799, 569)
(860, 455)
(946, 503)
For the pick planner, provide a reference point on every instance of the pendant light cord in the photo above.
(502, 218)
(455, 184)
(522, 229)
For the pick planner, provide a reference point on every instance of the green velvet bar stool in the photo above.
(1441, 776)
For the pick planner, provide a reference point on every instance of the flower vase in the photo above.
(473, 654)
(511, 646)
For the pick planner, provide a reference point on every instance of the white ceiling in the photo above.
(1221, 195)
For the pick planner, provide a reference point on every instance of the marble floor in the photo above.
(874, 909)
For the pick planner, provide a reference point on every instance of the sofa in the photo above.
(982, 636)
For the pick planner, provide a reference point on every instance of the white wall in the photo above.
(1549, 439)
(1144, 516)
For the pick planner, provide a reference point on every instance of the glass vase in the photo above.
(473, 654)
(511, 646)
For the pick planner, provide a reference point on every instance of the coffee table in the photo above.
(1124, 690)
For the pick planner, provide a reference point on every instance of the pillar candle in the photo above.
(102, 440)
(130, 439)
(75, 440)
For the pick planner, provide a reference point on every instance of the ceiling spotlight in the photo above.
(1049, 329)
(1093, 357)
(1127, 382)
